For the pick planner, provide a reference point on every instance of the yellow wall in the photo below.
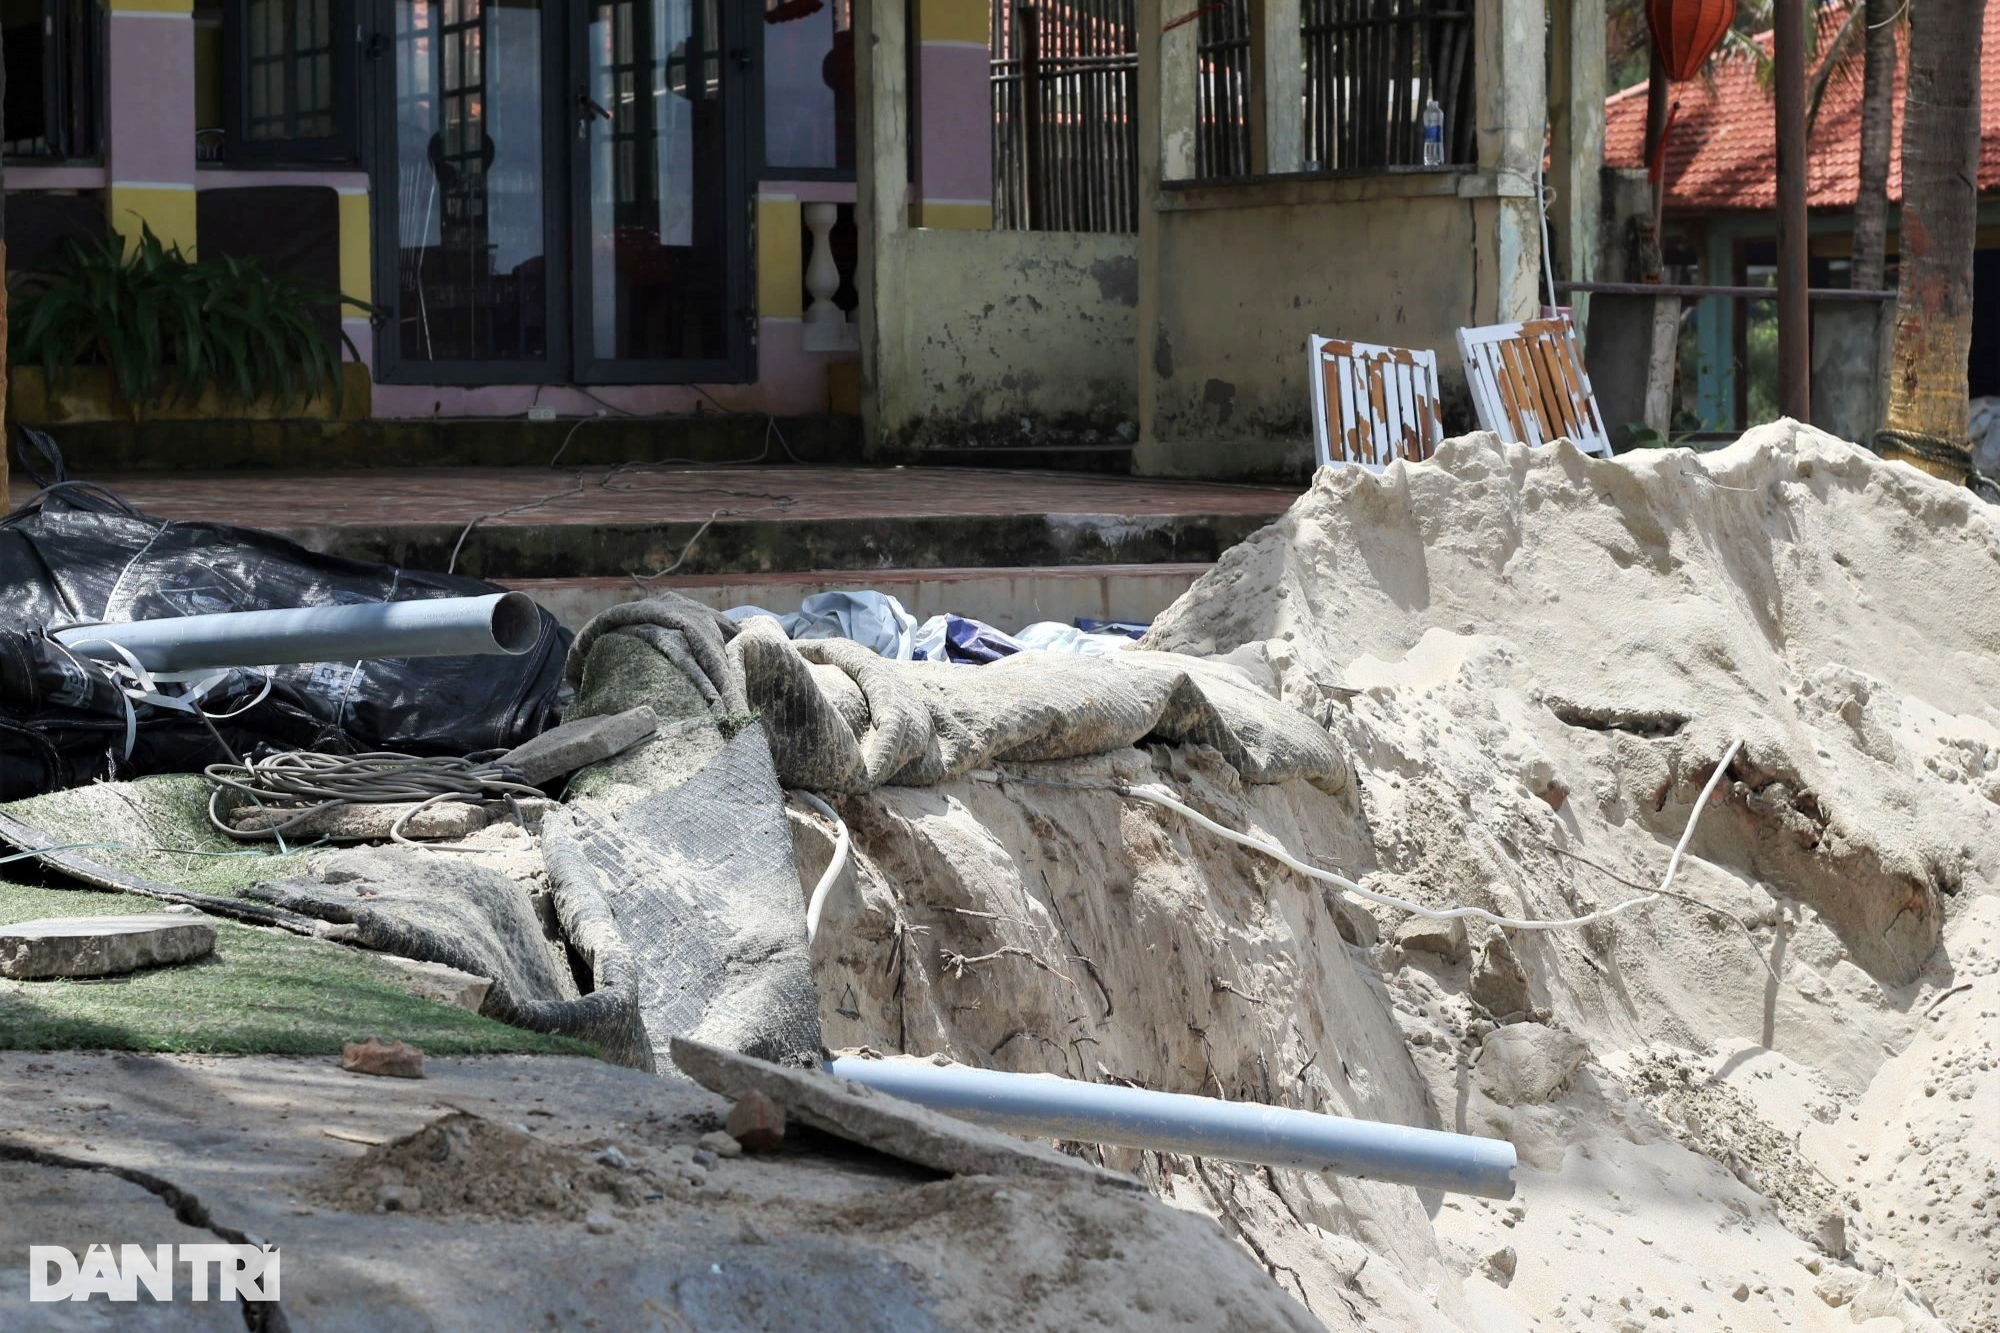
(781, 278)
(168, 210)
(953, 217)
(356, 269)
(1240, 289)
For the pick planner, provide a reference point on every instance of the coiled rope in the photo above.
(302, 784)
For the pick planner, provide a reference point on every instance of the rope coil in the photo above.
(303, 784)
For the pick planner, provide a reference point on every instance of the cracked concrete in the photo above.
(796, 1239)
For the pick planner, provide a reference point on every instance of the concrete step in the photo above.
(702, 523)
(1007, 598)
(92, 449)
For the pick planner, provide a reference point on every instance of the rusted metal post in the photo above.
(1028, 28)
(1794, 319)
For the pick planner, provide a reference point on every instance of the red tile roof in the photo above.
(1722, 152)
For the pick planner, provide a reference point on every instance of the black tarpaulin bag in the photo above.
(76, 553)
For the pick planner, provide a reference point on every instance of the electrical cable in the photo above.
(302, 784)
(1347, 885)
(833, 868)
(451, 565)
(707, 523)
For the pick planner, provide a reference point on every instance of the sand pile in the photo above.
(1769, 1107)
(465, 1166)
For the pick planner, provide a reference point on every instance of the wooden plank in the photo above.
(1433, 427)
(1540, 392)
(1406, 416)
(1520, 415)
(1556, 389)
(1338, 379)
(1377, 410)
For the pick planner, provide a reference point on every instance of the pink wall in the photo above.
(149, 75)
(955, 125)
(790, 381)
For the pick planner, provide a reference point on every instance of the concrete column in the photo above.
(150, 120)
(882, 193)
(954, 166)
(1152, 169)
(1277, 58)
(1173, 90)
(1576, 133)
(1510, 101)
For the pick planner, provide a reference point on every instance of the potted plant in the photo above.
(112, 332)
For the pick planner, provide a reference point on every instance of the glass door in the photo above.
(660, 204)
(561, 192)
(469, 258)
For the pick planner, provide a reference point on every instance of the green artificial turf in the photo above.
(261, 991)
(156, 829)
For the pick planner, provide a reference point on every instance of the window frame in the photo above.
(343, 146)
(73, 124)
(770, 171)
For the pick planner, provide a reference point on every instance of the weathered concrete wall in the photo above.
(1233, 277)
(1248, 273)
(1000, 337)
(968, 333)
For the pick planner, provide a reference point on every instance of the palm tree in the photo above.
(1878, 116)
(1926, 423)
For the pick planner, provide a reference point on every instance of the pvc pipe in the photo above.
(501, 623)
(817, 903)
(1059, 1108)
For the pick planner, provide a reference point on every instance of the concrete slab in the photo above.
(886, 1124)
(803, 1238)
(48, 1205)
(585, 740)
(100, 946)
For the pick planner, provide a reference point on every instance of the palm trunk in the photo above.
(1926, 423)
(1878, 114)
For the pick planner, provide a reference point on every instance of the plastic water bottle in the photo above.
(1433, 134)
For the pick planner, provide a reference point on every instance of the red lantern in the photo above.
(1686, 32)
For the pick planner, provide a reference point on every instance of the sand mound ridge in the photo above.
(1534, 661)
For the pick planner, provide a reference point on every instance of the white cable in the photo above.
(1542, 208)
(833, 867)
(1346, 885)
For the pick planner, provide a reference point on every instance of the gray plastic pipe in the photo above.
(502, 623)
(1061, 1108)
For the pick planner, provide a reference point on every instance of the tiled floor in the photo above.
(665, 495)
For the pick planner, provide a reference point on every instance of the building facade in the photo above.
(1065, 225)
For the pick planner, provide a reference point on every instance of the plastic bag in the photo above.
(76, 553)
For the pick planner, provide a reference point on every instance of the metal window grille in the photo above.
(1371, 65)
(288, 59)
(1223, 123)
(1065, 78)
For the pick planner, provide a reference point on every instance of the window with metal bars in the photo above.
(288, 87)
(1065, 80)
(53, 55)
(1371, 68)
(1223, 117)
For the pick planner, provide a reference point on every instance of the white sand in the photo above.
(1535, 660)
